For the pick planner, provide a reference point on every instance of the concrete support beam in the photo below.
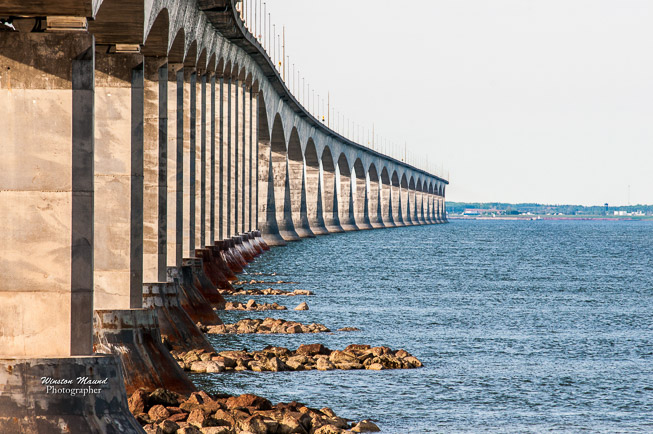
(189, 162)
(330, 200)
(118, 221)
(253, 162)
(175, 159)
(155, 176)
(298, 198)
(345, 199)
(46, 194)
(212, 162)
(235, 143)
(204, 126)
(266, 187)
(396, 206)
(314, 204)
(361, 202)
(246, 157)
(222, 153)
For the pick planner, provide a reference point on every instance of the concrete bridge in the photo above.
(144, 145)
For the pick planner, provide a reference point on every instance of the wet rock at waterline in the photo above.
(265, 326)
(202, 413)
(302, 306)
(253, 305)
(270, 291)
(305, 358)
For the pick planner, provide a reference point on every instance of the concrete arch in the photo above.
(297, 183)
(119, 22)
(329, 192)
(157, 40)
(345, 194)
(177, 50)
(421, 201)
(202, 61)
(190, 60)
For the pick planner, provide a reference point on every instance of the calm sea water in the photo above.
(524, 326)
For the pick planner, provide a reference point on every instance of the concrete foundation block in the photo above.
(176, 327)
(133, 336)
(31, 406)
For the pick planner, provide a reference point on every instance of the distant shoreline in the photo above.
(549, 217)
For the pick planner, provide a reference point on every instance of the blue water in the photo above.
(523, 326)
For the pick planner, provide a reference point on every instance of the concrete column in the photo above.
(189, 147)
(267, 206)
(211, 162)
(298, 195)
(283, 192)
(235, 170)
(223, 157)
(314, 205)
(373, 201)
(254, 163)
(196, 151)
(155, 135)
(329, 186)
(175, 160)
(204, 155)
(118, 218)
(385, 191)
(413, 207)
(396, 206)
(360, 186)
(228, 167)
(246, 143)
(406, 202)
(421, 212)
(46, 194)
(346, 199)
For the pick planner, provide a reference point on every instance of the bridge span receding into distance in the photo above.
(150, 149)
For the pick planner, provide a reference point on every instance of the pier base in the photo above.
(28, 406)
(191, 299)
(261, 241)
(133, 335)
(214, 268)
(174, 323)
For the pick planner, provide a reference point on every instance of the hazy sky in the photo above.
(545, 101)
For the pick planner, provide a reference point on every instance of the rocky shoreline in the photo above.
(265, 326)
(269, 291)
(305, 358)
(164, 412)
(252, 305)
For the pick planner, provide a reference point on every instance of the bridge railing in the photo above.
(257, 20)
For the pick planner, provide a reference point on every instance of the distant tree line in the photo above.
(537, 208)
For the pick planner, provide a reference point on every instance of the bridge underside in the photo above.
(133, 153)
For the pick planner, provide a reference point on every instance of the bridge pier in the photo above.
(46, 203)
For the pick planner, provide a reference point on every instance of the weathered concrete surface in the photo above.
(133, 335)
(46, 194)
(28, 406)
(118, 217)
(190, 296)
(174, 323)
(155, 176)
